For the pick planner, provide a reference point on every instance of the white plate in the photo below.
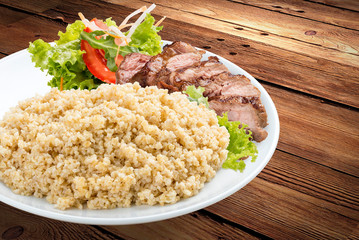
(21, 80)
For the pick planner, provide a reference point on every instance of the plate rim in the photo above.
(163, 215)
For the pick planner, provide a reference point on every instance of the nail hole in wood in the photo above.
(220, 39)
(245, 45)
(277, 6)
(300, 11)
(37, 35)
(238, 28)
(206, 47)
(310, 33)
(233, 53)
(13, 232)
(264, 34)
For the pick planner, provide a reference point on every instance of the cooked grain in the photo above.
(111, 147)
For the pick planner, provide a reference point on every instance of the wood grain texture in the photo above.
(318, 131)
(309, 10)
(198, 225)
(8, 16)
(283, 213)
(247, 32)
(16, 224)
(346, 4)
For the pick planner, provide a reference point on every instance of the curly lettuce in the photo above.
(240, 145)
(64, 60)
(145, 37)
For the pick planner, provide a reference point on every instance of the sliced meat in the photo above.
(131, 64)
(229, 85)
(175, 64)
(197, 74)
(245, 113)
(148, 76)
(179, 65)
(236, 95)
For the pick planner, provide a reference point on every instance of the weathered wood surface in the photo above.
(310, 188)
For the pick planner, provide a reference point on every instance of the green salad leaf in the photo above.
(109, 22)
(108, 45)
(196, 95)
(72, 32)
(64, 59)
(240, 145)
(145, 37)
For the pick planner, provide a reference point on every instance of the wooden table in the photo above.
(306, 55)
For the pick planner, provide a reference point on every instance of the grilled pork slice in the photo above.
(173, 57)
(131, 64)
(197, 74)
(236, 95)
(245, 113)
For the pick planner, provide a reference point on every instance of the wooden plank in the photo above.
(332, 37)
(8, 16)
(2, 55)
(191, 226)
(315, 130)
(28, 30)
(315, 180)
(282, 209)
(248, 33)
(32, 6)
(16, 224)
(347, 4)
(312, 75)
(309, 10)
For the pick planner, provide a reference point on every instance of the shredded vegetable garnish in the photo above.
(160, 21)
(142, 9)
(125, 26)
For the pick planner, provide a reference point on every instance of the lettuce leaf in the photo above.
(64, 59)
(109, 22)
(240, 145)
(108, 45)
(73, 32)
(145, 37)
(196, 95)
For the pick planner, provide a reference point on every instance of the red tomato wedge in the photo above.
(95, 58)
